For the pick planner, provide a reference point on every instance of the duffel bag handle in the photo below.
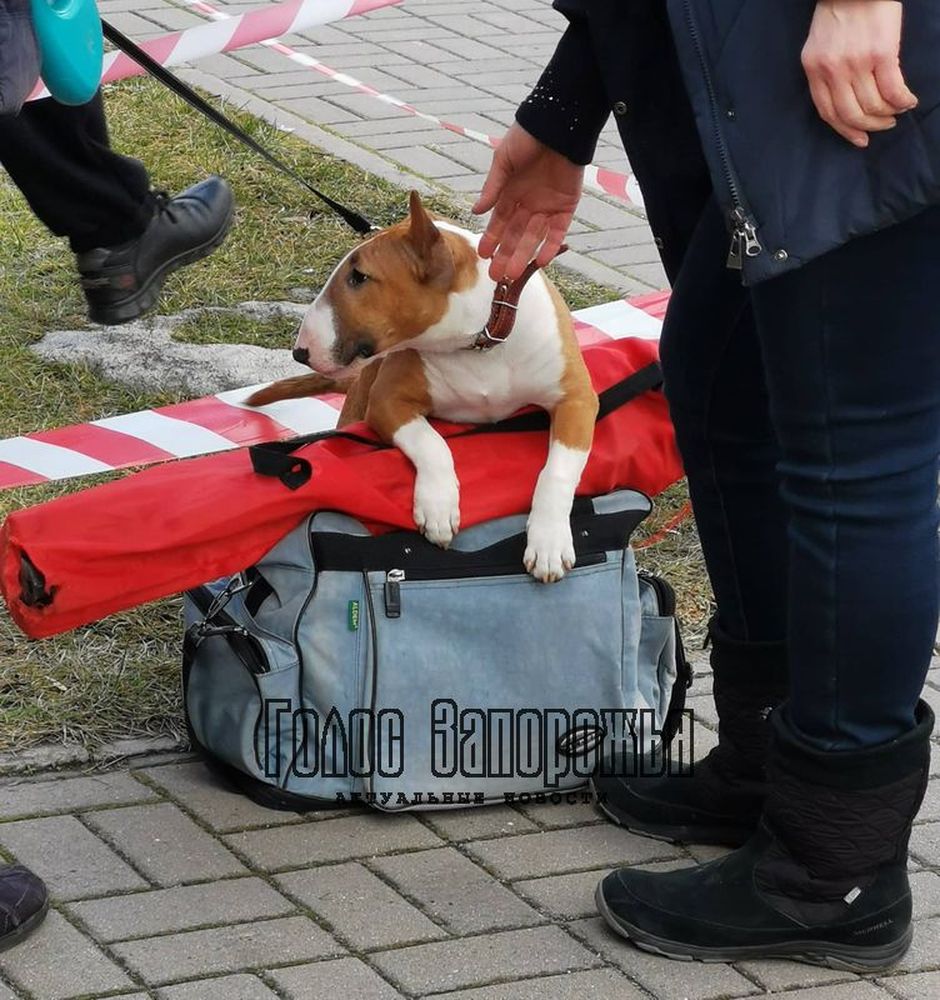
(277, 458)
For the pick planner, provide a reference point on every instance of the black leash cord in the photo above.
(353, 219)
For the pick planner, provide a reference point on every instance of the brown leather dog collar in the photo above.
(503, 311)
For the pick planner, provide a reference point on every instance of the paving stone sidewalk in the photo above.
(168, 886)
(470, 64)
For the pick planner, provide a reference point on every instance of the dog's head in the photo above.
(393, 290)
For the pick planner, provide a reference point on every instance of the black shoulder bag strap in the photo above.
(277, 458)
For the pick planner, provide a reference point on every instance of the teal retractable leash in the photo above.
(70, 35)
(70, 46)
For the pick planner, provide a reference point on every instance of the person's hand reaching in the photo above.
(533, 192)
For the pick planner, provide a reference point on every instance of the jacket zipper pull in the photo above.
(744, 241)
(393, 579)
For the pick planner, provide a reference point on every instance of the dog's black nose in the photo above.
(301, 355)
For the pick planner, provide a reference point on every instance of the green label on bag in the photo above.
(353, 616)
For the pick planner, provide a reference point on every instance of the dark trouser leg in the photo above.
(718, 400)
(851, 354)
(715, 386)
(852, 349)
(60, 158)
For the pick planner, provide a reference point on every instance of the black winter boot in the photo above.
(24, 903)
(717, 800)
(123, 282)
(824, 879)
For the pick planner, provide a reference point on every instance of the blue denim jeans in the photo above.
(807, 410)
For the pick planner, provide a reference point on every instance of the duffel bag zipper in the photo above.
(394, 578)
(744, 241)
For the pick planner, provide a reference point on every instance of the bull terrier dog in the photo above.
(410, 326)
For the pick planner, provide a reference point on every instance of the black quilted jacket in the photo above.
(791, 188)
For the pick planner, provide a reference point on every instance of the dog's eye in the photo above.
(357, 278)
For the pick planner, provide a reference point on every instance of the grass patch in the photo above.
(120, 677)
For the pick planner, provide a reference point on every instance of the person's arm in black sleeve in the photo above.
(568, 106)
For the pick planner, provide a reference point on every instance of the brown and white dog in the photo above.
(393, 328)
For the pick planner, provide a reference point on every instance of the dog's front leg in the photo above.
(397, 405)
(437, 492)
(550, 547)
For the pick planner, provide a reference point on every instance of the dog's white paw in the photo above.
(550, 549)
(437, 509)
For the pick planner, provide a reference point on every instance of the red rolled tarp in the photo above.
(172, 527)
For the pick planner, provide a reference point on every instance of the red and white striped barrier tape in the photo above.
(224, 421)
(618, 185)
(244, 29)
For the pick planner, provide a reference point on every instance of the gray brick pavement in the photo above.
(479, 824)
(182, 908)
(602, 984)
(241, 987)
(925, 844)
(920, 986)
(488, 904)
(197, 954)
(332, 840)
(163, 844)
(74, 862)
(696, 981)
(359, 907)
(44, 798)
(926, 888)
(556, 852)
(59, 962)
(457, 893)
(219, 809)
(341, 977)
(472, 961)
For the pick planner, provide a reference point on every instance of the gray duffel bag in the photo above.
(346, 667)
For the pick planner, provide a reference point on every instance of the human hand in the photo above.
(852, 62)
(533, 192)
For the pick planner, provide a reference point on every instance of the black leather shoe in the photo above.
(24, 903)
(823, 880)
(123, 282)
(719, 799)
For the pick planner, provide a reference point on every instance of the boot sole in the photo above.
(26, 928)
(842, 957)
(724, 836)
(145, 298)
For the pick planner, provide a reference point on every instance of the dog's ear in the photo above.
(434, 260)
(422, 233)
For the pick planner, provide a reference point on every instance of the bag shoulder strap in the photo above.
(277, 458)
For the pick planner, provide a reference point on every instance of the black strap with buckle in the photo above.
(277, 459)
